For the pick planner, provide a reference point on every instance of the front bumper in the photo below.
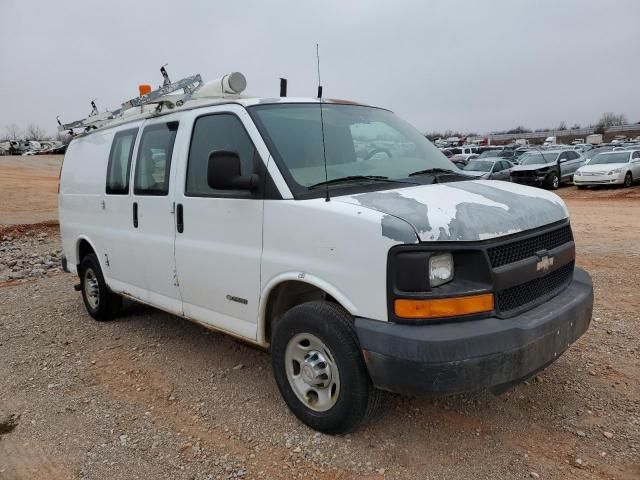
(463, 356)
(598, 180)
(536, 181)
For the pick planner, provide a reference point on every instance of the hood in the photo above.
(534, 166)
(464, 211)
(601, 167)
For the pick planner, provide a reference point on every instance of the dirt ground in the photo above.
(154, 396)
(29, 188)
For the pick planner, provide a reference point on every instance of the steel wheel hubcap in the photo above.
(556, 182)
(91, 288)
(312, 372)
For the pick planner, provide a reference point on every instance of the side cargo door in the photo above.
(152, 217)
(219, 232)
(117, 225)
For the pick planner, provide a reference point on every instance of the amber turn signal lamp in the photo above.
(443, 307)
(144, 88)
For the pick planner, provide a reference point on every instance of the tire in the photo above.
(628, 180)
(340, 396)
(553, 181)
(101, 303)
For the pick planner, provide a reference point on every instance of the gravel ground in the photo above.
(153, 396)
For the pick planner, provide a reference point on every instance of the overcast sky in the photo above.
(465, 65)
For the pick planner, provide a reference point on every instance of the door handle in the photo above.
(179, 218)
(135, 214)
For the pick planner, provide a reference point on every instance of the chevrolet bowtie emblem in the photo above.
(545, 263)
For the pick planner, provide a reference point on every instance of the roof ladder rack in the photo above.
(161, 96)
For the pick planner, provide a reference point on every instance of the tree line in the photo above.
(608, 119)
(14, 133)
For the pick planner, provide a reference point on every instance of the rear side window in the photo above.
(153, 162)
(120, 162)
(223, 131)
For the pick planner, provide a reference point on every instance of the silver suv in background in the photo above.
(548, 169)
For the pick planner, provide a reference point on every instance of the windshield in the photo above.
(604, 158)
(595, 151)
(538, 158)
(359, 141)
(479, 165)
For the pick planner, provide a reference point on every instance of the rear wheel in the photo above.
(628, 180)
(319, 370)
(101, 303)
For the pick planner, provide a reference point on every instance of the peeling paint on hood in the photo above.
(464, 211)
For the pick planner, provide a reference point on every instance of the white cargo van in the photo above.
(362, 266)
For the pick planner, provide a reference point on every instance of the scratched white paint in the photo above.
(442, 203)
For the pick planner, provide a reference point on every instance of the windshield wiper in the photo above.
(435, 172)
(355, 178)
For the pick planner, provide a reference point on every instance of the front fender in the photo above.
(303, 277)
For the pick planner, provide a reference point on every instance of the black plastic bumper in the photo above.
(463, 356)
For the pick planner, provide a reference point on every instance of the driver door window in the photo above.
(222, 131)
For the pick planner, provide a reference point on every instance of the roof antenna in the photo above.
(324, 150)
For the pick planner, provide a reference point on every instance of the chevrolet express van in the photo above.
(333, 234)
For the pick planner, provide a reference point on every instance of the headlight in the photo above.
(440, 269)
(578, 173)
(613, 172)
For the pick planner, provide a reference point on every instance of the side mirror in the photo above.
(223, 172)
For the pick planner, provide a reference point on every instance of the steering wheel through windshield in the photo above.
(375, 151)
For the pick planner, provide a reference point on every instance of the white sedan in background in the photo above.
(610, 168)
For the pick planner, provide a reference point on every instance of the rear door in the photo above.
(118, 225)
(152, 217)
(219, 240)
(501, 170)
(565, 171)
(572, 163)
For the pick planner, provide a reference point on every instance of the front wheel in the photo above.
(319, 369)
(628, 180)
(553, 181)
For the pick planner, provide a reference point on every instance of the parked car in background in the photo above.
(610, 168)
(518, 153)
(462, 159)
(489, 169)
(582, 147)
(548, 169)
(464, 150)
(502, 153)
(588, 155)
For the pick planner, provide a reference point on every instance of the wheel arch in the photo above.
(293, 288)
(84, 246)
